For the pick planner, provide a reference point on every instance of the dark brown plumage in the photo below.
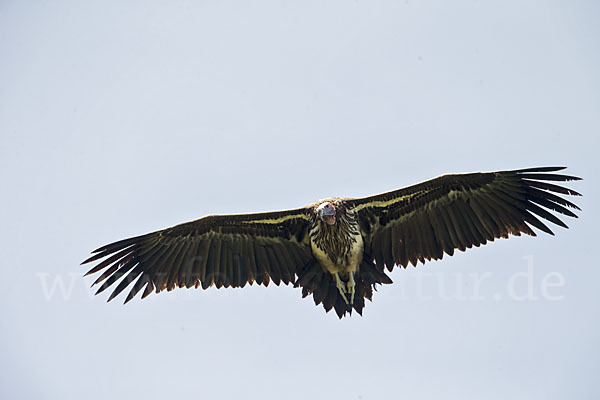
(365, 236)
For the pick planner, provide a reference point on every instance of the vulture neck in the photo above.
(336, 240)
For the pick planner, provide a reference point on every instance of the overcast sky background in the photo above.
(120, 118)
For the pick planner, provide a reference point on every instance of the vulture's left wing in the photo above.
(220, 250)
(423, 221)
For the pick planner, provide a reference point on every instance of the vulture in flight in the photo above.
(338, 249)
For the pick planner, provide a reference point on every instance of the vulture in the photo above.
(338, 249)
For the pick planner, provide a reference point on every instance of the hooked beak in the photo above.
(327, 214)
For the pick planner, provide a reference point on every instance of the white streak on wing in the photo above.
(452, 195)
(441, 202)
(277, 220)
(384, 203)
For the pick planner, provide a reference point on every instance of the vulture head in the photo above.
(326, 212)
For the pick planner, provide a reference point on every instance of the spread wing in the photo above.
(424, 221)
(220, 250)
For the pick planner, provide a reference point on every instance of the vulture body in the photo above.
(336, 249)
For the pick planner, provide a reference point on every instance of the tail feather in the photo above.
(316, 281)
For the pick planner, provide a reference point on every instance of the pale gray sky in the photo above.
(119, 118)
